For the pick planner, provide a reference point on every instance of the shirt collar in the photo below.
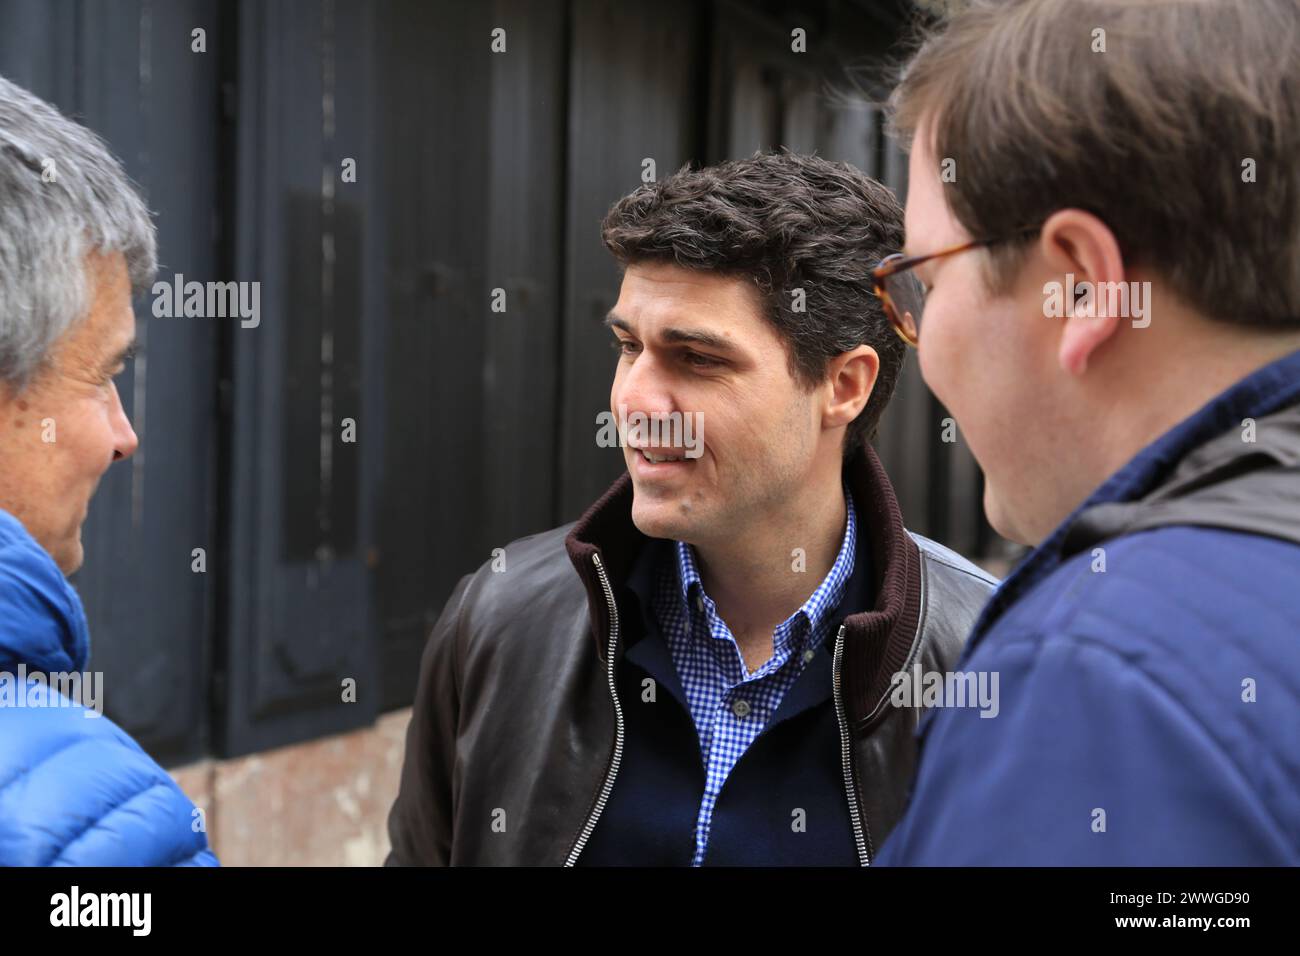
(820, 604)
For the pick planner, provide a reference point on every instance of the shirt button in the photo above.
(740, 708)
(808, 655)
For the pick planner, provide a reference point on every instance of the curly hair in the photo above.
(786, 222)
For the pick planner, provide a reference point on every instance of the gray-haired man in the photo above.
(75, 240)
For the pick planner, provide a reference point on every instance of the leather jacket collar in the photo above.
(877, 641)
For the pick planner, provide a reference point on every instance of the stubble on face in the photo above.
(757, 420)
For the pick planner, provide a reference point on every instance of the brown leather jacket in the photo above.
(517, 707)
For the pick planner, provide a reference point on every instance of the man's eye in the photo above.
(623, 346)
(701, 361)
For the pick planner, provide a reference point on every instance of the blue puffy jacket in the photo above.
(1148, 655)
(75, 790)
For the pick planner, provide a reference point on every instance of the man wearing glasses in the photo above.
(699, 671)
(1149, 647)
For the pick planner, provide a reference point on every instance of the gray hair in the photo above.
(63, 195)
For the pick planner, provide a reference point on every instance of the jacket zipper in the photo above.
(608, 786)
(846, 757)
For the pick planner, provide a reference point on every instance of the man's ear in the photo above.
(851, 377)
(1078, 244)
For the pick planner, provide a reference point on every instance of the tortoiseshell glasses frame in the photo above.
(900, 293)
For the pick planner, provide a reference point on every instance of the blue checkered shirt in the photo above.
(729, 705)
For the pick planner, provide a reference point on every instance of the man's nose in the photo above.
(125, 440)
(645, 387)
(127, 445)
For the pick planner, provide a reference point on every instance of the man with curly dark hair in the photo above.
(715, 682)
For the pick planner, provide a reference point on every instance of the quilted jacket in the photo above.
(75, 789)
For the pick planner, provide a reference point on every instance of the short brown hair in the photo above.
(1152, 135)
(784, 221)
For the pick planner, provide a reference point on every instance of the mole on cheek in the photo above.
(18, 423)
(22, 406)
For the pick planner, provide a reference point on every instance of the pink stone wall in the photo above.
(320, 803)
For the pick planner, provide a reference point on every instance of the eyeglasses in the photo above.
(900, 291)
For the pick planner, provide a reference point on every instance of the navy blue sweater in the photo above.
(782, 804)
